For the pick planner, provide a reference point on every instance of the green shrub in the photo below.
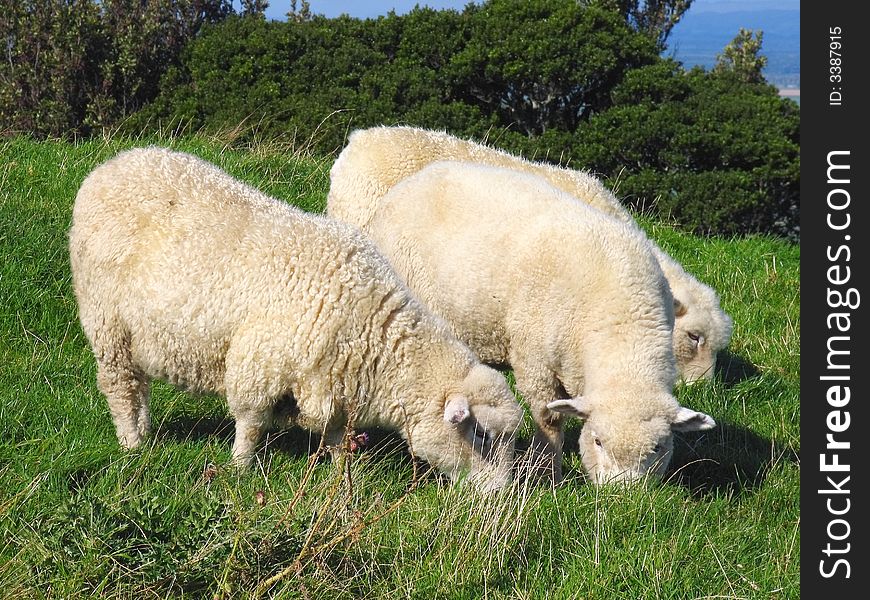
(504, 65)
(581, 84)
(716, 154)
(75, 66)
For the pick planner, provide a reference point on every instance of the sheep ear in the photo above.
(679, 308)
(456, 409)
(689, 420)
(576, 407)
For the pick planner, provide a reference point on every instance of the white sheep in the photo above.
(375, 159)
(185, 274)
(572, 299)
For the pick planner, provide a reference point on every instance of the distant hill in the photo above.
(700, 36)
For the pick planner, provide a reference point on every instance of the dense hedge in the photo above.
(709, 150)
(582, 84)
(524, 66)
(73, 67)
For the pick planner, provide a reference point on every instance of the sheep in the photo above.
(185, 274)
(376, 159)
(495, 252)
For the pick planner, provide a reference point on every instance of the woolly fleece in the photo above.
(376, 159)
(185, 274)
(589, 337)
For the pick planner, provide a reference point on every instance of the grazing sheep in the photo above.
(185, 274)
(376, 159)
(495, 252)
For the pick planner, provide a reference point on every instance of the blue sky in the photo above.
(372, 8)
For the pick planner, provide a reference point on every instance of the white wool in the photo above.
(185, 274)
(572, 299)
(375, 159)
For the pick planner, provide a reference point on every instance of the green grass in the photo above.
(80, 518)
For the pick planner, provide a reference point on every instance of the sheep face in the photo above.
(627, 445)
(474, 434)
(696, 358)
(698, 337)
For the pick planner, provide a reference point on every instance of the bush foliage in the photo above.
(706, 149)
(76, 66)
(583, 84)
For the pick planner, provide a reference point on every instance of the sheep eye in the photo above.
(658, 448)
(598, 442)
(695, 337)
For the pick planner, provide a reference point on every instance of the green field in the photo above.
(80, 518)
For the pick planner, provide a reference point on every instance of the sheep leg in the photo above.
(251, 423)
(125, 387)
(547, 441)
(538, 388)
(319, 412)
(252, 391)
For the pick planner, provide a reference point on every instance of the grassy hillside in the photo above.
(81, 518)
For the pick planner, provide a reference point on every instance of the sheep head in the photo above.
(473, 433)
(625, 442)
